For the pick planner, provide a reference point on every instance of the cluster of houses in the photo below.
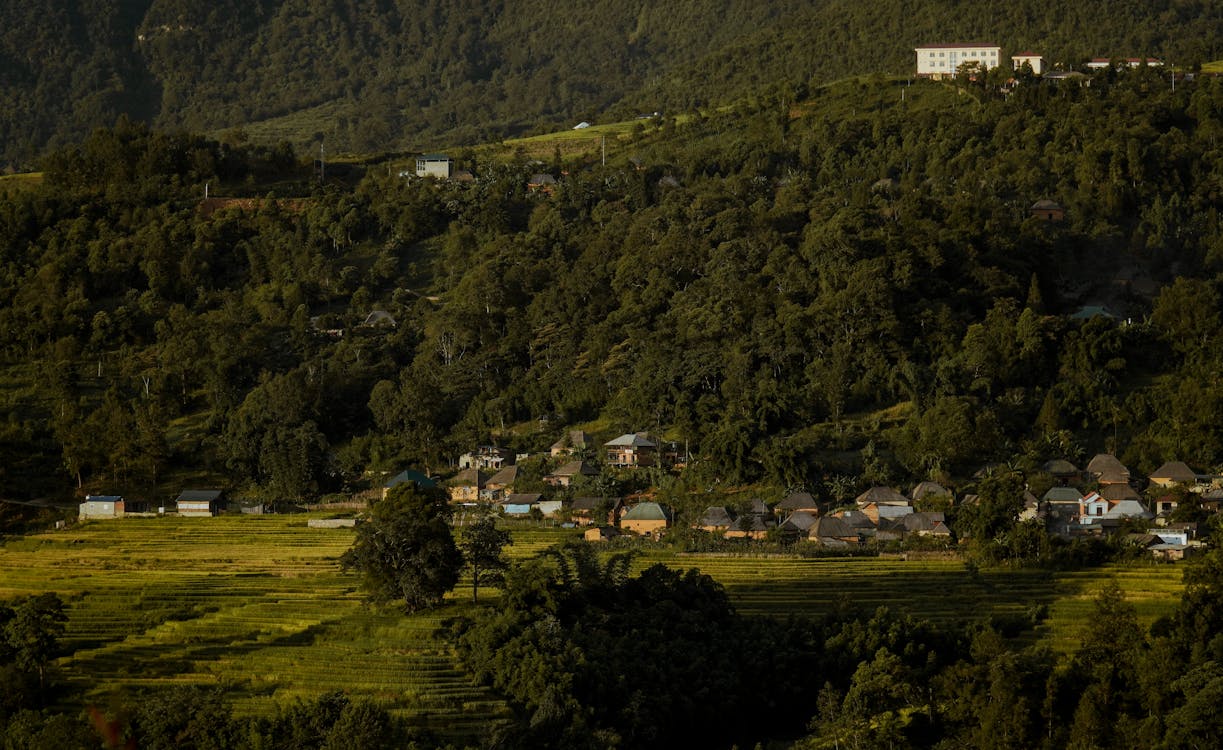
(938, 61)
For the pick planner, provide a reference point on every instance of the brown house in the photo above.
(1047, 210)
(468, 486)
(570, 472)
(1174, 473)
(630, 450)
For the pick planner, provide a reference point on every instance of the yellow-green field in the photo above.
(259, 605)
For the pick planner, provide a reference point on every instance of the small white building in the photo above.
(944, 60)
(433, 165)
(1033, 60)
(101, 506)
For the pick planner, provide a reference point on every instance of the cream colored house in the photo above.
(1034, 60)
(944, 60)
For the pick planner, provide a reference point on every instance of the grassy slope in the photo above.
(259, 604)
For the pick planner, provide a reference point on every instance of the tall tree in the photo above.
(406, 551)
(482, 543)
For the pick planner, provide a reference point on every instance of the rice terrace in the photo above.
(260, 606)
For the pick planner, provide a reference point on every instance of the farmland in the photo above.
(259, 605)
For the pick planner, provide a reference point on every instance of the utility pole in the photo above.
(322, 164)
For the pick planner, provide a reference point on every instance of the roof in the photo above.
(716, 515)
(575, 468)
(379, 317)
(648, 511)
(1175, 471)
(103, 498)
(1107, 468)
(522, 498)
(1118, 492)
(760, 507)
(929, 489)
(505, 476)
(856, 519)
(830, 526)
(925, 522)
(572, 439)
(1026, 54)
(801, 520)
(588, 503)
(1044, 204)
(1128, 509)
(409, 475)
(194, 496)
(958, 45)
(881, 496)
(434, 157)
(1060, 467)
(894, 511)
(473, 477)
(798, 501)
(631, 440)
(1063, 495)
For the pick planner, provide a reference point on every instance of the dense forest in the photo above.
(853, 287)
(381, 76)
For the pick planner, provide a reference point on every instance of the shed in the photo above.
(101, 506)
(200, 503)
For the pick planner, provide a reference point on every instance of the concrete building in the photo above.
(944, 60)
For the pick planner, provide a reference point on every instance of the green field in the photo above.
(259, 605)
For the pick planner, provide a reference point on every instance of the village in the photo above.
(1100, 500)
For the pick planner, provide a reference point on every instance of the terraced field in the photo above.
(259, 605)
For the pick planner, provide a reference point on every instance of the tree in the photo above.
(406, 550)
(481, 545)
(33, 631)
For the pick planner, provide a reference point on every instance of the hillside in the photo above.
(848, 288)
(389, 76)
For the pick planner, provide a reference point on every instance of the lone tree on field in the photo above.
(482, 543)
(406, 550)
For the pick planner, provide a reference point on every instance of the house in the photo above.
(631, 450)
(101, 506)
(797, 524)
(716, 519)
(503, 481)
(1173, 473)
(541, 183)
(1031, 507)
(832, 532)
(486, 457)
(796, 501)
(939, 61)
(1106, 469)
(1062, 470)
(931, 490)
(571, 472)
(1115, 493)
(926, 524)
(200, 503)
(585, 510)
(601, 533)
(646, 518)
(469, 486)
(571, 442)
(749, 526)
(379, 318)
(881, 496)
(1031, 59)
(520, 504)
(407, 475)
(1101, 63)
(433, 165)
(1047, 210)
(878, 512)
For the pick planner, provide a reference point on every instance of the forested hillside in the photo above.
(381, 76)
(859, 290)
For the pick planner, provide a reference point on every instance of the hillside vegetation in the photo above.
(382, 76)
(859, 290)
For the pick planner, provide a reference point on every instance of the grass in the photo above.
(259, 604)
(1215, 66)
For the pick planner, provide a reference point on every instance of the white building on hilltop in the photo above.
(943, 60)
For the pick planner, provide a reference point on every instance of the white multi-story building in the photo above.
(943, 60)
